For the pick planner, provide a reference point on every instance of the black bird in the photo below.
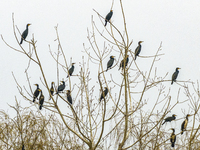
(69, 98)
(184, 124)
(173, 137)
(110, 62)
(175, 75)
(51, 90)
(138, 49)
(41, 100)
(108, 16)
(104, 93)
(36, 93)
(24, 34)
(71, 70)
(169, 119)
(61, 87)
(122, 62)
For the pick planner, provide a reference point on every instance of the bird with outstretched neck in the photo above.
(184, 124)
(169, 119)
(24, 34)
(175, 75)
(138, 49)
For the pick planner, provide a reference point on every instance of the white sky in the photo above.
(175, 23)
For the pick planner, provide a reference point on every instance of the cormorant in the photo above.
(173, 137)
(184, 124)
(104, 93)
(23, 147)
(108, 16)
(41, 100)
(36, 93)
(138, 49)
(24, 34)
(51, 90)
(175, 75)
(61, 87)
(69, 98)
(71, 70)
(122, 62)
(169, 119)
(110, 62)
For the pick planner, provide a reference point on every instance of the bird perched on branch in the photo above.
(184, 124)
(110, 62)
(71, 70)
(24, 34)
(175, 75)
(41, 99)
(103, 94)
(173, 137)
(138, 49)
(169, 119)
(51, 90)
(36, 93)
(61, 87)
(69, 98)
(124, 62)
(108, 17)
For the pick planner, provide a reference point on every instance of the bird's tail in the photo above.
(40, 107)
(172, 144)
(105, 22)
(34, 99)
(135, 57)
(21, 41)
(163, 122)
(181, 132)
(172, 82)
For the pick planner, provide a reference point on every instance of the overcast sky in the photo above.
(174, 23)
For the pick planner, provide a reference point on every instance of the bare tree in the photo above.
(129, 115)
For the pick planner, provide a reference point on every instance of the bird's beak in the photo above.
(179, 68)
(29, 24)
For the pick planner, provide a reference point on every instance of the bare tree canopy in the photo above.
(105, 101)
